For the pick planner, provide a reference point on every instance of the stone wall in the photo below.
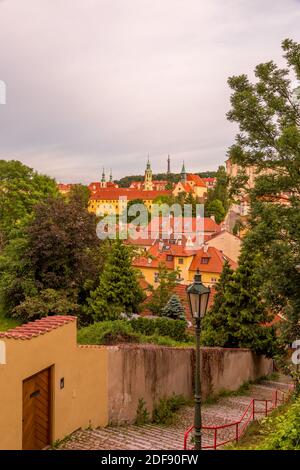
(153, 372)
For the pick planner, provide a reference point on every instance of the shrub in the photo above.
(165, 410)
(175, 329)
(283, 431)
(108, 332)
(174, 309)
(142, 415)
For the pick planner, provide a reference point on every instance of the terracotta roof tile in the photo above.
(113, 194)
(37, 327)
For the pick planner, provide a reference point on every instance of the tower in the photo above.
(183, 174)
(103, 179)
(169, 165)
(148, 185)
(110, 176)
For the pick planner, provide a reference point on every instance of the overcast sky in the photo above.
(94, 83)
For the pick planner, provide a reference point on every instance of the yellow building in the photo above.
(208, 260)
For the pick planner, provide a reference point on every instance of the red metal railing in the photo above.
(231, 432)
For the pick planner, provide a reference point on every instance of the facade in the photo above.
(208, 260)
(49, 385)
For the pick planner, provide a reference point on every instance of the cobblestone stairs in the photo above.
(155, 437)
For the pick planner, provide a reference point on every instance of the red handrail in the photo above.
(239, 430)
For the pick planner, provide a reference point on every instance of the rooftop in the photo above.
(37, 327)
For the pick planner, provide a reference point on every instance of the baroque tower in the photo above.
(148, 185)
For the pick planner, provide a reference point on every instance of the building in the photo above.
(109, 201)
(209, 182)
(209, 260)
(229, 244)
(191, 184)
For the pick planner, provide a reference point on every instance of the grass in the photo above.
(257, 431)
(7, 323)
(121, 331)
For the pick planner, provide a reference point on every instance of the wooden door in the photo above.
(36, 411)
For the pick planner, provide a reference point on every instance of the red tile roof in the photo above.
(196, 179)
(216, 260)
(156, 255)
(113, 194)
(184, 224)
(180, 291)
(38, 327)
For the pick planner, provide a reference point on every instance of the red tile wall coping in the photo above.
(37, 327)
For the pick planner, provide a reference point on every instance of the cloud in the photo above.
(104, 82)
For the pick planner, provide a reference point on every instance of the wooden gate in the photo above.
(36, 410)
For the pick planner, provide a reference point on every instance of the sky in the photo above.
(93, 83)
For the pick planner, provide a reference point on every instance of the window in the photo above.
(204, 260)
(213, 280)
(180, 261)
(156, 277)
(169, 258)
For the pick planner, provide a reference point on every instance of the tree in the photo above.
(21, 188)
(131, 218)
(118, 290)
(80, 194)
(48, 302)
(58, 250)
(61, 244)
(174, 309)
(214, 323)
(160, 296)
(268, 115)
(216, 209)
(239, 317)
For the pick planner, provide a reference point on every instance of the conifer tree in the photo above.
(238, 320)
(118, 289)
(174, 309)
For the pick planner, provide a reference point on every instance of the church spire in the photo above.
(103, 179)
(148, 185)
(183, 173)
(169, 165)
(110, 176)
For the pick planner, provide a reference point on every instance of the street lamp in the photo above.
(198, 297)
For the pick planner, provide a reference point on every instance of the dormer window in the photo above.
(204, 260)
(169, 257)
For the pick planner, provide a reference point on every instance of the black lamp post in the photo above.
(198, 296)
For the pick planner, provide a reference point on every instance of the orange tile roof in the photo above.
(156, 256)
(37, 327)
(196, 179)
(180, 291)
(185, 224)
(113, 194)
(216, 260)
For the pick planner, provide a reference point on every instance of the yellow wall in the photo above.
(207, 278)
(111, 207)
(82, 402)
(149, 271)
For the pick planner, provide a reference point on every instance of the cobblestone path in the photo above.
(155, 437)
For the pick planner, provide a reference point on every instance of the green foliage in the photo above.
(175, 329)
(79, 194)
(160, 296)
(127, 214)
(118, 290)
(21, 188)
(174, 309)
(268, 116)
(282, 432)
(164, 411)
(142, 414)
(47, 302)
(238, 316)
(108, 332)
(216, 208)
(218, 200)
(163, 332)
(58, 250)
